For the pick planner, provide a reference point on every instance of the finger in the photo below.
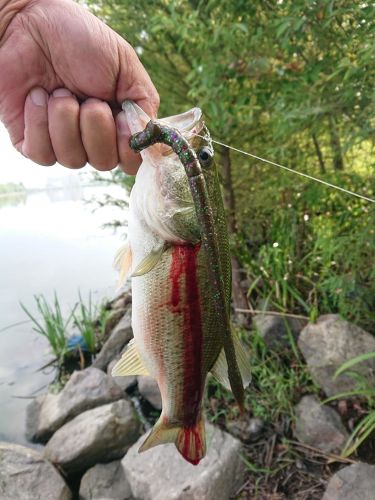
(134, 82)
(98, 131)
(37, 144)
(129, 161)
(64, 129)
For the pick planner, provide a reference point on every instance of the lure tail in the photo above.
(190, 441)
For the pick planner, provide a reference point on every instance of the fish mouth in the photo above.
(189, 124)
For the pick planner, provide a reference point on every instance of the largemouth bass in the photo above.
(181, 290)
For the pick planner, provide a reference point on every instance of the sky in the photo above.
(15, 168)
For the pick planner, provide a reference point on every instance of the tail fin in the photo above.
(190, 441)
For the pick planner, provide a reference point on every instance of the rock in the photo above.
(24, 474)
(247, 430)
(85, 389)
(319, 426)
(119, 337)
(355, 482)
(105, 481)
(330, 342)
(99, 435)
(111, 320)
(149, 389)
(124, 382)
(122, 301)
(161, 473)
(275, 330)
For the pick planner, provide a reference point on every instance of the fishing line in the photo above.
(307, 176)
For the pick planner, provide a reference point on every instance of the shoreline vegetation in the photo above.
(14, 194)
(12, 189)
(284, 449)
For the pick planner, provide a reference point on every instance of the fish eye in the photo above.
(205, 156)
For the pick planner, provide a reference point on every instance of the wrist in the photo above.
(8, 10)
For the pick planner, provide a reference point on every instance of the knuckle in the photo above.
(73, 163)
(128, 169)
(103, 166)
(44, 158)
(94, 107)
(64, 106)
(45, 161)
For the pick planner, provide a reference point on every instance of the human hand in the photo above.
(64, 74)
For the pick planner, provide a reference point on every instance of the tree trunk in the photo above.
(239, 298)
(338, 161)
(319, 154)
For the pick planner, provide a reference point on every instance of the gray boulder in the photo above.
(24, 474)
(122, 301)
(276, 330)
(330, 342)
(105, 481)
(149, 389)
(99, 435)
(161, 473)
(247, 430)
(355, 482)
(86, 389)
(319, 425)
(120, 336)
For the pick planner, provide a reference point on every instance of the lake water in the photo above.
(49, 241)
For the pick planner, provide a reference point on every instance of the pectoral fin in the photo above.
(130, 363)
(220, 368)
(149, 262)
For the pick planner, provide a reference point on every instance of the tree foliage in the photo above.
(291, 81)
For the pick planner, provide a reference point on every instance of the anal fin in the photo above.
(130, 363)
(220, 368)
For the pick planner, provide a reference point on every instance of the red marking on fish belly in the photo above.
(185, 300)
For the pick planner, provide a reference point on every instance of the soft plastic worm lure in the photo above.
(158, 133)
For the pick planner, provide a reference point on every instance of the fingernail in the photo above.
(122, 123)
(39, 97)
(62, 93)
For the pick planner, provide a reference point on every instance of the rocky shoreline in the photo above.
(93, 428)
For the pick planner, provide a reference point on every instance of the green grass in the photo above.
(91, 322)
(365, 389)
(89, 319)
(52, 325)
(279, 380)
(84, 317)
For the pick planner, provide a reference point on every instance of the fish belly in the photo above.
(175, 330)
